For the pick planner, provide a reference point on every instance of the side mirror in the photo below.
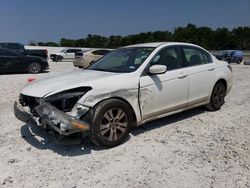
(157, 69)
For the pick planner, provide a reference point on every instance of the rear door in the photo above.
(202, 74)
(163, 93)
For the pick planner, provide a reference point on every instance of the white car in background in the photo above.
(65, 54)
(84, 59)
(127, 87)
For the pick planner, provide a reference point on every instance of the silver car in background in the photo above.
(84, 59)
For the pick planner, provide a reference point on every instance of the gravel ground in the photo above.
(196, 148)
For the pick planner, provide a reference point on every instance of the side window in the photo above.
(195, 56)
(168, 57)
(75, 50)
(8, 53)
(97, 52)
(94, 52)
(103, 52)
(69, 51)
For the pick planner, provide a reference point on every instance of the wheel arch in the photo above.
(223, 81)
(126, 102)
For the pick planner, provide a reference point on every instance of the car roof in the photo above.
(156, 44)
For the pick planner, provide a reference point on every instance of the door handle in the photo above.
(210, 68)
(182, 75)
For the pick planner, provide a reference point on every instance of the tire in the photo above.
(59, 58)
(217, 97)
(34, 68)
(111, 122)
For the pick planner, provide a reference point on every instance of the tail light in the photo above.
(230, 68)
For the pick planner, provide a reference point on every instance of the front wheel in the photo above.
(34, 68)
(217, 97)
(111, 123)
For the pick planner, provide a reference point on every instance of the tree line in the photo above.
(218, 39)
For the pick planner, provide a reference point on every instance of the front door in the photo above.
(166, 92)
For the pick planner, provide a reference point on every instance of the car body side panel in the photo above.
(124, 87)
(163, 93)
(201, 82)
(223, 72)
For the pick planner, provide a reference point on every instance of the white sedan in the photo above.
(65, 54)
(127, 87)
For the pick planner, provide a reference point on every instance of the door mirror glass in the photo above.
(157, 69)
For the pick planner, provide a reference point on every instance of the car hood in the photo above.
(52, 85)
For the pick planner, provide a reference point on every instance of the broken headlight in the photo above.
(66, 100)
(58, 118)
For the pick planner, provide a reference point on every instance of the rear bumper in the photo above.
(51, 117)
(45, 66)
(77, 62)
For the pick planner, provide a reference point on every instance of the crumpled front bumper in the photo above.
(57, 120)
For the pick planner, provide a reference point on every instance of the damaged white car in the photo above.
(126, 88)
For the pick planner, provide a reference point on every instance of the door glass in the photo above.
(195, 56)
(168, 57)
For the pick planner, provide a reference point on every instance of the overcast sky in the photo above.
(50, 20)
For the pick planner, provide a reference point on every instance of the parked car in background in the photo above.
(37, 52)
(127, 87)
(11, 61)
(231, 56)
(84, 59)
(65, 54)
(18, 47)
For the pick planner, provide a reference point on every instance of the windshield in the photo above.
(64, 50)
(122, 60)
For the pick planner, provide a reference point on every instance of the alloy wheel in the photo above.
(114, 124)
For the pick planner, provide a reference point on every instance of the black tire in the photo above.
(217, 97)
(59, 58)
(34, 68)
(109, 130)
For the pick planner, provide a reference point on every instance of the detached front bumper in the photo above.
(51, 117)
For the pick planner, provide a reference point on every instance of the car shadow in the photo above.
(24, 73)
(39, 138)
(167, 120)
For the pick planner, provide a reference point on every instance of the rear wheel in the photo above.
(34, 68)
(217, 97)
(111, 123)
(59, 58)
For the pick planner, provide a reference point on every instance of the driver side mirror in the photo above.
(157, 69)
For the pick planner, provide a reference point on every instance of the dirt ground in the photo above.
(196, 148)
